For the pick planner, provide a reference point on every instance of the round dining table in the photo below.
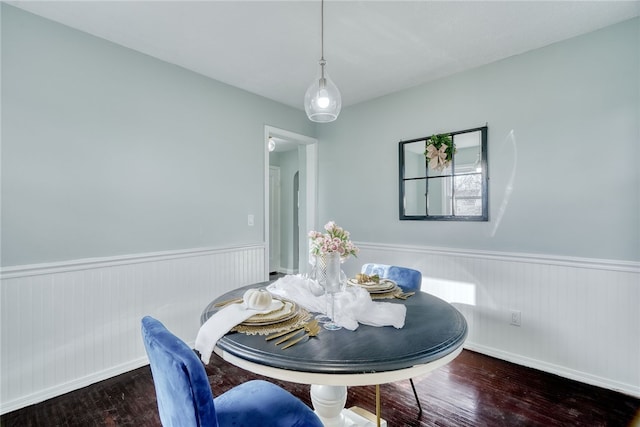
(433, 334)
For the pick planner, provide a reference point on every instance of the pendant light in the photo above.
(322, 101)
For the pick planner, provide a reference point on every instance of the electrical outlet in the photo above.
(516, 318)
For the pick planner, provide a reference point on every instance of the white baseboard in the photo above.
(562, 371)
(78, 383)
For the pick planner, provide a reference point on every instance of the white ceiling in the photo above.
(372, 48)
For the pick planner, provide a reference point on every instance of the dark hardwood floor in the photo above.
(473, 390)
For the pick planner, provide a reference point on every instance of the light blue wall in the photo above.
(564, 143)
(106, 151)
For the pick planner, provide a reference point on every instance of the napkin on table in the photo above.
(352, 307)
(222, 322)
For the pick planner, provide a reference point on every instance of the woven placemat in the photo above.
(388, 295)
(298, 320)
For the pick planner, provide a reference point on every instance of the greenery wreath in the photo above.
(440, 150)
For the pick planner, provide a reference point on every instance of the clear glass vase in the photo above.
(329, 277)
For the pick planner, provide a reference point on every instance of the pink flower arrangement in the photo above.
(336, 239)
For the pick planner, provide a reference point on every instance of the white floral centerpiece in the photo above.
(336, 239)
(327, 251)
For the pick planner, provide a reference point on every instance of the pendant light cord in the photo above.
(322, 30)
(322, 61)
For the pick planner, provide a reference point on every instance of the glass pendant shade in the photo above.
(322, 101)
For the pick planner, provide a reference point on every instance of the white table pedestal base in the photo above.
(328, 402)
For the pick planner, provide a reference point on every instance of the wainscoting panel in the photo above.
(68, 325)
(580, 318)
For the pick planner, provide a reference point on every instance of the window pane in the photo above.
(468, 149)
(444, 172)
(468, 195)
(414, 197)
(468, 185)
(468, 207)
(439, 196)
(414, 160)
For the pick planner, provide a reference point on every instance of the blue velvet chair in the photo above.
(185, 398)
(408, 279)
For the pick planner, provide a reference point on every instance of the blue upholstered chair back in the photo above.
(407, 278)
(182, 387)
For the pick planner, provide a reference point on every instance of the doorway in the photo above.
(296, 157)
(274, 222)
(296, 219)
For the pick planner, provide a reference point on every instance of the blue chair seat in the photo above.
(185, 398)
(408, 280)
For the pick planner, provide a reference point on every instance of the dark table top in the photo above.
(433, 329)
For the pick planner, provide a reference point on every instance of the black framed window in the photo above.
(445, 177)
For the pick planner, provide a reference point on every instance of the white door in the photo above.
(274, 219)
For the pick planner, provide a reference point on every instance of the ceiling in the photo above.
(372, 48)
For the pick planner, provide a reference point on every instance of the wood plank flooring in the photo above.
(473, 390)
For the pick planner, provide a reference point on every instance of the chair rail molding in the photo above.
(576, 262)
(579, 316)
(70, 324)
(91, 263)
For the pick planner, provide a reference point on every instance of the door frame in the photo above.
(274, 196)
(311, 187)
